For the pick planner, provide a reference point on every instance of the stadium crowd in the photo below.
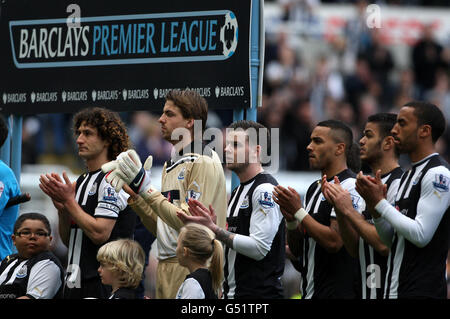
(349, 77)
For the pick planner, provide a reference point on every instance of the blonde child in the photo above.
(121, 266)
(202, 254)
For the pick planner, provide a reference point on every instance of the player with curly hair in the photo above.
(90, 211)
(109, 126)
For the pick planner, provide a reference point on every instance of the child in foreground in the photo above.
(121, 266)
(196, 247)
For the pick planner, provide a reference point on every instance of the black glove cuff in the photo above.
(136, 183)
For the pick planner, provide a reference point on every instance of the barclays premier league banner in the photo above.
(60, 56)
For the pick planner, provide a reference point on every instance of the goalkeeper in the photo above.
(186, 175)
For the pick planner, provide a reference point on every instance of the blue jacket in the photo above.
(8, 188)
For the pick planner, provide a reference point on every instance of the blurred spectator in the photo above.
(381, 64)
(367, 106)
(378, 56)
(331, 107)
(303, 15)
(274, 108)
(440, 94)
(427, 59)
(347, 115)
(145, 135)
(356, 31)
(53, 127)
(340, 58)
(280, 71)
(30, 129)
(299, 10)
(405, 89)
(350, 77)
(358, 83)
(295, 135)
(325, 82)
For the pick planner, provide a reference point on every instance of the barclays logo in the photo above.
(194, 36)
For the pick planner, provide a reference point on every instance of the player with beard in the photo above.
(418, 226)
(255, 234)
(378, 151)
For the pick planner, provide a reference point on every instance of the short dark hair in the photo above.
(385, 123)
(429, 114)
(109, 126)
(3, 131)
(32, 216)
(247, 124)
(191, 104)
(342, 133)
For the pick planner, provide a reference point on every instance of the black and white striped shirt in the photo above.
(418, 228)
(328, 275)
(38, 277)
(254, 270)
(373, 265)
(99, 199)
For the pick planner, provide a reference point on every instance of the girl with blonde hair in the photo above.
(121, 266)
(202, 254)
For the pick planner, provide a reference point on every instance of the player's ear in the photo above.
(425, 131)
(106, 144)
(340, 149)
(190, 123)
(388, 143)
